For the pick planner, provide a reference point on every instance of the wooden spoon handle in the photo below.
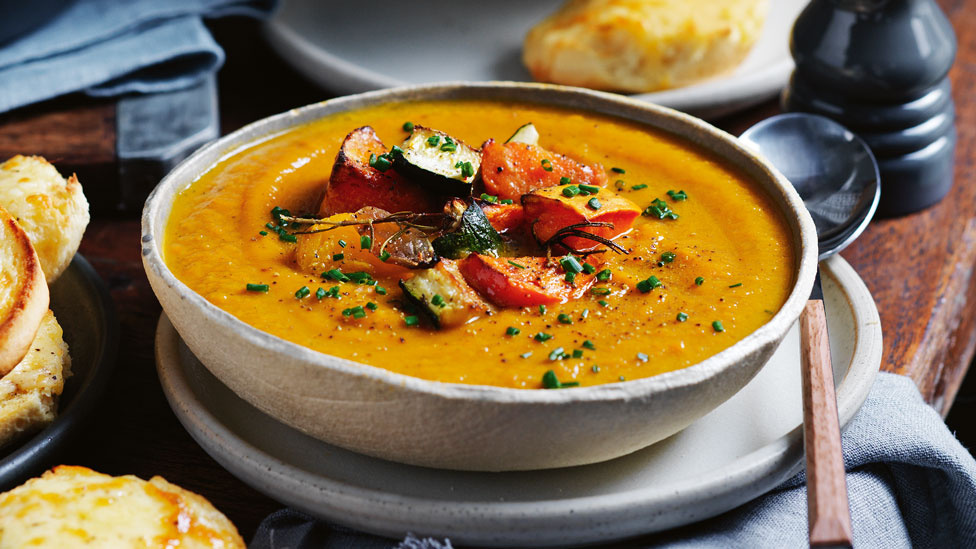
(828, 509)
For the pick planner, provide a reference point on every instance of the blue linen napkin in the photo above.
(111, 47)
(911, 484)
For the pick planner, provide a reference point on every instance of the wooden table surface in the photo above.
(919, 269)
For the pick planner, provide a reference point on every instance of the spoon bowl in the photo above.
(832, 169)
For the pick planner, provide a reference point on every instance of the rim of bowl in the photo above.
(696, 131)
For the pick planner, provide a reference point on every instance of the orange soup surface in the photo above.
(720, 270)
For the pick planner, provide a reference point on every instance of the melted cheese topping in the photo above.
(77, 507)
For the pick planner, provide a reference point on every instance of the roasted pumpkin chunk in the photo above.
(505, 218)
(525, 281)
(555, 209)
(512, 169)
(355, 183)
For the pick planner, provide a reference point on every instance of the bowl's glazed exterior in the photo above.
(410, 420)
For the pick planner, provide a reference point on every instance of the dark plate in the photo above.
(85, 311)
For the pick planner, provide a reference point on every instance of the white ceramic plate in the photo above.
(350, 47)
(743, 448)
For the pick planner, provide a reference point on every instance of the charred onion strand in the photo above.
(574, 230)
(405, 219)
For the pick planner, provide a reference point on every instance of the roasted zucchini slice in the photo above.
(438, 161)
(473, 233)
(443, 295)
(525, 134)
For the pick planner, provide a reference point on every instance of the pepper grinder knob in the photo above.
(880, 67)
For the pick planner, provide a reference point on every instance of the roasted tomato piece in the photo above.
(523, 281)
(553, 209)
(510, 170)
(354, 184)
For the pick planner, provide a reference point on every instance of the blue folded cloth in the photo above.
(911, 484)
(111, 47)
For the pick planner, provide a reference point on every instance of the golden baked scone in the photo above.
(23, 292)
(642, 45)
(71, 506)
(29, 393)
(51, 209)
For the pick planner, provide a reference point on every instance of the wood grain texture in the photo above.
(828, 511)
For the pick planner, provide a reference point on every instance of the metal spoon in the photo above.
(837, 178)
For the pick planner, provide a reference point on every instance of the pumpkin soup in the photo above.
(581, 250)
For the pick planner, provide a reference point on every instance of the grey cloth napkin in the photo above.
(111, 47)
(911, 484)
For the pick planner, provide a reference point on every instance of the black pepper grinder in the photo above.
(879, 67)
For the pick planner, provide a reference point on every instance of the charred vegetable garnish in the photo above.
(471, 232)
(438, 161)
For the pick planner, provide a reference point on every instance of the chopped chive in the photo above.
(384, 255)
(381, 162)
(736, 285)
(638, 187)
(263, 233)
(257, 287)
(433, 140)
(395, 150)
(320, 294)
(338, 257)
(700, 280)
(571, 277)
(603, 302)
(526, 354)
(585, 313)
(381, 290)
(269, 225)
(467, 170)
(449, 147)
(600, 291)
(355, 312)
(570, 191)
(510, 262)
(371, 306)
(589, 345)
(622, 378)
(660, 210)
(594, 204)
(682, 317)
(287, 237)
(302, 292)
(408, 126)
(595, 369)
(506, 201)
(489, 198)
(411, 320)
(577, 353)
(717, 326)
(438, 301)
(365, 242)
(570, 264)
(588, 268)
(546, 164)
(542, 337)
(512, 331)
(642, 357)
(618, 170)
(604, 275)
(666, 257)
(359, 277)
(649, 284)
(556, 354)
(589, 189)
(542, 309)
(564, 318)
(335, 274)
(342, 243)
(565, 181)
(678, 196)
(550, 381)
(620, 184)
